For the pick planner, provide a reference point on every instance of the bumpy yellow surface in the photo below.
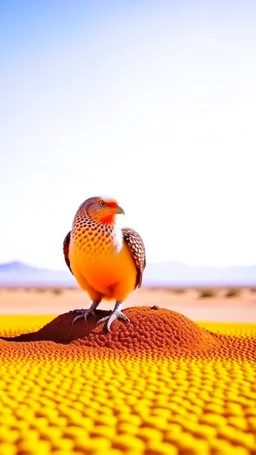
(64, 404)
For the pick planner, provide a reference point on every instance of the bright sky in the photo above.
(150, 102)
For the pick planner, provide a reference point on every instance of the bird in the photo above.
(107, 262)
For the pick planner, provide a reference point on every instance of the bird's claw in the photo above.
(116, 314)
(83, 314)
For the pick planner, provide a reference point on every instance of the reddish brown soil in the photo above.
(151, 331)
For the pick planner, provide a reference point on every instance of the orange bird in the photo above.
(107, 262)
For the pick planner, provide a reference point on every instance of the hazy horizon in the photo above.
(151, 102)
(64, 268)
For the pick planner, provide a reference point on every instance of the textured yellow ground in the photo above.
(72, 401)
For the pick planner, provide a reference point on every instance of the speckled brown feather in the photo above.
(66, 243)
(137, 250)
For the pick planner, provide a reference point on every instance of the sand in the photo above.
(236, 309)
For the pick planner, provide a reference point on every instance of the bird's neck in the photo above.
(85, 222)
(108, 234)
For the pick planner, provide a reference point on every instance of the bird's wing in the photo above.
(66, 243)
(137, 250)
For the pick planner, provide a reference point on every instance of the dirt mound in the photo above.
(150, 330)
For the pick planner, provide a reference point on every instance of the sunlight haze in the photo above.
(150, 102)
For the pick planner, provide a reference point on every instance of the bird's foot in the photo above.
(83, 314)
(116, 314)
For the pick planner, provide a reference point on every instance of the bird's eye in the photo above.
(102, 203)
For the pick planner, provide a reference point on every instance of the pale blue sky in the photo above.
(151, 102)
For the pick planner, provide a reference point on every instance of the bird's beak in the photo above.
(119, 210)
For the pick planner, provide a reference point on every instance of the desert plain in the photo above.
(192, 303)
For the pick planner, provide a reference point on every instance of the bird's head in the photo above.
(103, 210)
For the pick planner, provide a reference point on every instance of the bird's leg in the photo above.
(83, 314)
(115, 314)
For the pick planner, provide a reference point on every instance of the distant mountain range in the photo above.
(156, 274)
